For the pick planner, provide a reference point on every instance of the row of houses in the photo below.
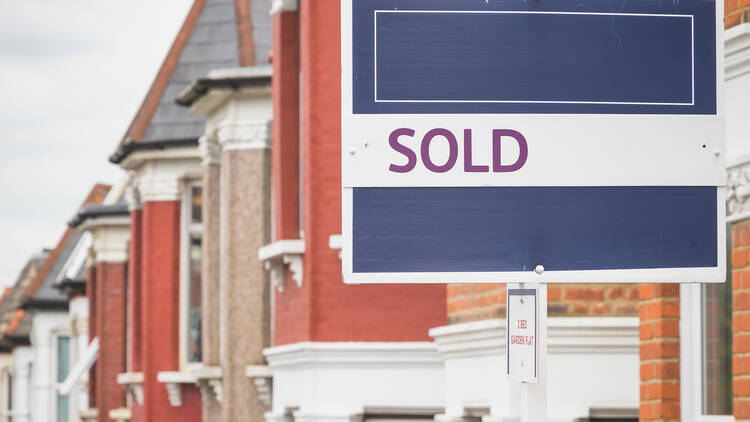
(206, 284)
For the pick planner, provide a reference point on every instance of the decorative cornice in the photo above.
(738, 190)
(133, 198)
(356, 354)
(590, 335)
(243, 135)
(210, 150)
(110, 242)
(284, 6)
(159, 188)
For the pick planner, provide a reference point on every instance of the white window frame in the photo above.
(55, 337)
(691, 356)
(186, 229)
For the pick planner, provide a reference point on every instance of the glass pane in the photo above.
(63, 367)
(194, 301)
(196, 203)
(717, 344)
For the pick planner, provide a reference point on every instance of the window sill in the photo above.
(120, 415)
(209, 380)
(132, 383)
(173, 382)
(263, 379)
(280, 253)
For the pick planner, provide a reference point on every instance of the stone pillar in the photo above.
(659, 331)
(210, 288)
(244, 227)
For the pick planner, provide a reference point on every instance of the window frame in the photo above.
(691, 356)
(187, 228)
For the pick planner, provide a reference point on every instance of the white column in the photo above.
(79, 311)
(41, 378)
(22, 357)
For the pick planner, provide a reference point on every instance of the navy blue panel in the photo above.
(484, 229)
(534, 62)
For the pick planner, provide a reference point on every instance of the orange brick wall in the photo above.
(736, 12)
(473, 302)
(741, 319)
(659, 331)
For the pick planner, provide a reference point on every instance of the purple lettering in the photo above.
(410, 155)
(497, 165)
(469, 166)
(452, 145)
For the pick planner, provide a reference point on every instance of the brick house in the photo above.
(177, 367)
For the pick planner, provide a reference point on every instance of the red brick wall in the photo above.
(160, 279)
(736, 12)
(325, 309)
(659, 332)
(110, 317)
(472, 302)
(134, 292)
(285, 125)
(741, 319)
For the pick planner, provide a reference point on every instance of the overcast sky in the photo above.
(72, 74)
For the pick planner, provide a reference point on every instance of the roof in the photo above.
(225, 78)
(10, 312)
(96, 195)
(215, 34)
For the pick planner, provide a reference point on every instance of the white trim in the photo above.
(737, 50)
(187, 229)
(284, 6)
(210, 150)
(80, 368)
(351, 354)
(277, 254)
(173, 382)
(566, 335)
(209, 380)
(120, 414)
(691, 356)
(77, 259)
(136, 159)
(132, 383)
(262, 377)
(240, 135)
(159, 188)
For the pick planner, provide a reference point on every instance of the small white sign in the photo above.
(521, 349)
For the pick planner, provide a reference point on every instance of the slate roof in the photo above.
(212, 36)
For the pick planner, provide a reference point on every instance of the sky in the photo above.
(72, 75)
